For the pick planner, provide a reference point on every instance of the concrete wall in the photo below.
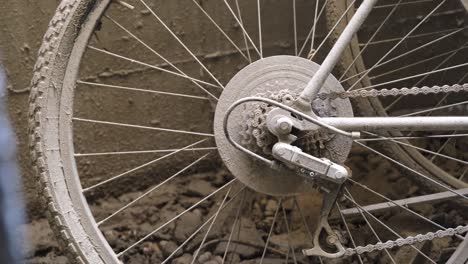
(22, 25)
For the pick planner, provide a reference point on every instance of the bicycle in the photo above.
(283, 124)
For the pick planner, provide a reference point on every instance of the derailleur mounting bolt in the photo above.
(339, 175)
(284, 125)
(281, 152)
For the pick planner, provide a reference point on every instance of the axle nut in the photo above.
(284, 125)
(331, 240)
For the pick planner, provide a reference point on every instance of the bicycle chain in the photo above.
(395, 91)
(407, 241)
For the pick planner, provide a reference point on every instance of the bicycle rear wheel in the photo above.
(127, 169)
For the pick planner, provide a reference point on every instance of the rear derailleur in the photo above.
(328, 175)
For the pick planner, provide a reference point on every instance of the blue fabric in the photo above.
(11, 204)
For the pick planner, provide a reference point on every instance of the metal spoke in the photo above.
(304, 222)
(406, 202)
(311, 237)
(286, 258)
(211, 225)
(141, 166)
(426, 76)
(139, 152)
(152, 66)
(181, 43)
(175, 217)
(242, 27)
(152, 190)
(446, 96)
(442, 147)
(236, 222)
(463, 78)
(142, 127)
(399, 205)
(314, 25)
(404, 67)
(398, 44)
(370, 39)
(463, 174)
(413, 76)
(201, 227)
(142, 90)
(347, 230)
(405, 3)
(125, 4)
(271, 230)
(295, 27)
(436, 154)
(350, 198)
(243, 32)
(414, 36)
(288, 230)
(220, 29)
(312, 31)
(435, 108)
(365, 72)
(369, 225)
(414, 171)
(260, 40)
(345, 13)
(159, 55)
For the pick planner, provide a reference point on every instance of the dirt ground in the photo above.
(141, 219)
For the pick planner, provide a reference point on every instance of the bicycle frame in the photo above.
(368, 123)
(319, 78)
(439, 123)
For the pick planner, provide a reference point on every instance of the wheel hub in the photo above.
(280, 78)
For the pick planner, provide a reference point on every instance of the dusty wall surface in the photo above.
(22, 25)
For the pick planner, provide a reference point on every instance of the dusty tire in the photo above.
(66, 221)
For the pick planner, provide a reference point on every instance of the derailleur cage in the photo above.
(330, 175)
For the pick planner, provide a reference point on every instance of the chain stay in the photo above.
(407, 241)
(395, 91)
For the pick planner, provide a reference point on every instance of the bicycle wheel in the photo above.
(131, 173)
